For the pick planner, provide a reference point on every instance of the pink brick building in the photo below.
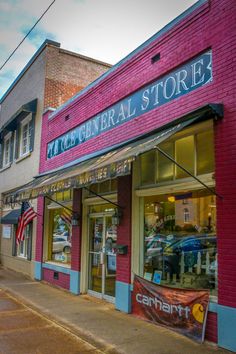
(134, 210)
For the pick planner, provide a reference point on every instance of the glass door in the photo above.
(102, 256)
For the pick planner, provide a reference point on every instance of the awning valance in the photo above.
(114, 163)
(12, 217)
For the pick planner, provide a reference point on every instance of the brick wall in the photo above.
(123, 268)
(67, 73)
(212, 26)
(211, 327)
(76, 231)
(63, 280)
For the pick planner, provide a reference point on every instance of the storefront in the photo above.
(142, 162)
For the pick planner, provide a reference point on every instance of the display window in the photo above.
(180, 240)
(58, 230)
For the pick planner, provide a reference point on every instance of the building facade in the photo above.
(143, 162)
(51, 77)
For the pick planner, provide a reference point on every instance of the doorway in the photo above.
(102, 256)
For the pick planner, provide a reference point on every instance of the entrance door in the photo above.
(102, 259)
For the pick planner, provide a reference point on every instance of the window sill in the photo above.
(5, 167)
(58, 264)
(23, 157)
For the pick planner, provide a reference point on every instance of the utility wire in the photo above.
(27, 34)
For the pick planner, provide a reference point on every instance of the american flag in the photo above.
(66, 216)
(26, 216)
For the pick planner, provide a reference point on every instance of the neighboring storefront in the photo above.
(137, 173)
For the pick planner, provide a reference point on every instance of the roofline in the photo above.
(84, 57)
(157, 35)
(41, 48)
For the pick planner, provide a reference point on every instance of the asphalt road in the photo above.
(24, 331)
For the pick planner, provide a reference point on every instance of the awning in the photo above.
(11, 218)
(112, 164)
(22, 112)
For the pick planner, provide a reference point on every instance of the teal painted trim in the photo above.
(226, 327)
(213, 307)
(75, 282)
(56, 268)
(37, 270)
(123, 297)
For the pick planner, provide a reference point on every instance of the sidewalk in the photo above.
(97, 322)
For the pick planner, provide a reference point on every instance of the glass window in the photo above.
(25, 134)
(165, 169)
(7, 150)
(180, 244)
(148, 167)
(184, 154)
(59, 236)
(23, 249)
(205, 152)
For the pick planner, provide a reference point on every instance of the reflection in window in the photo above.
(180, 244)
(59, 240)
(186, 215)
(24, 247)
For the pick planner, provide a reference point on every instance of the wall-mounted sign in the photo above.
(188, 77)
(6, 231)
(182, 310)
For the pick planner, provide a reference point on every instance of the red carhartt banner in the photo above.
(182, 310)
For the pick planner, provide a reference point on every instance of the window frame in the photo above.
(26, 243)
(27, 121)
(7, 139)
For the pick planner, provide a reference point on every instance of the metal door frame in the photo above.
(101, 295)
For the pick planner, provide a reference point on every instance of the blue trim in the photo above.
(132, 54)
(75, 282)
(226, 327)
(57, 268)
(37, 270)
(123, 297)
(213, 307)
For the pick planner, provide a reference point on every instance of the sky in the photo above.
(106, 30)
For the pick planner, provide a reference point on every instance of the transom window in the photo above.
(193, 148)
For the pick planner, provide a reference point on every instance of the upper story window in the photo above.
(25, 134)
(7, 150)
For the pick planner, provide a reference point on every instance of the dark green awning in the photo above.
(11, 218)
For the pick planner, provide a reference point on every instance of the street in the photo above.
(23, 331)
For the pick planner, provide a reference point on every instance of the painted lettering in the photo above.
(197, 74)
(180, 83)
(155, 89)
(170, 87)
(145, 99)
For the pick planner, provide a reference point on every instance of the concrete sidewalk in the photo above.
(97, 322)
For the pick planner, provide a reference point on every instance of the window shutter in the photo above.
(14, 246)
(29, 248)
(17, 144)
(32, 132)
(1, 155)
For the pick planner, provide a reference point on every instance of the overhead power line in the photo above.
(27, 34)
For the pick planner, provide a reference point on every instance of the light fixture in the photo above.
(171, 198)
(116, 217)
(75, 219)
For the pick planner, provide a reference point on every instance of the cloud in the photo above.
(106, 29)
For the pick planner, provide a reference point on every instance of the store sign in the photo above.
(194, 74)
(182, 310)
(115, 169)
